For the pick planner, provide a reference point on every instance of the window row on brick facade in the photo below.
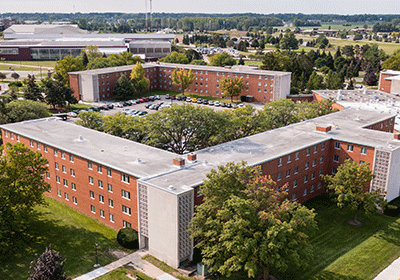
(350, 148)
(297, 155)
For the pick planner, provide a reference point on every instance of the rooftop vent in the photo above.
(324, 128)
(171, 188)
(179, 162)
(80, 139)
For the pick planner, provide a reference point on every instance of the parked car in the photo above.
(194, 100)
(151, 98)
(211, 103)
(167, 96)
(110, 106)
(179, 98)
(127, 103)
(217, 103)
(120, 105)
(147, 106)
(229, 105)
(199, 101)
(145, 99)
(94, 108)
(133, 102)
(188, 99)
(241, 105)
(103, 107)
(223, 104)
(72, 114)
(173, 97)
(234, 106)
(157, 97)
(205, 101)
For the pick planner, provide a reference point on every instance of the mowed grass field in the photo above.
(43, 63)
(69, 232)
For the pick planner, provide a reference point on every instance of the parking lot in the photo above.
(142, 106)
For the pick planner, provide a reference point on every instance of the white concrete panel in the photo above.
(393, 185)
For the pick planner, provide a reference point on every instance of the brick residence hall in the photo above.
(123, 183)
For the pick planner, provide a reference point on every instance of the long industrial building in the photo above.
(53, 42)
(126, 184)
(260, 85)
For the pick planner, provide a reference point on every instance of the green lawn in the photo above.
(70, 233)
(43, 63)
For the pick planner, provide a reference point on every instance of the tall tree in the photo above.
(175, 57)
(31, 89)
(21, 188)
(22, 110)
(124, 126)
(231, 87)
(138, 78)
(222, 59)
(123, 88)
(289, 42)
(92, 120)
(244, 223)
(183, 78)
(68, 64)
(350, 185)
(49, 266)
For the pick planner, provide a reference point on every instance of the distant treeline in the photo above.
(124, 22)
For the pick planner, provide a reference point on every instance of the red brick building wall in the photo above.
(385, 85)
(334, 106)
(385, 125)
(74, 84)
(76, 171)
(301, 98)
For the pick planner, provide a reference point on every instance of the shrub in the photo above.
(128, 238)
(392, 210)
(15, 83)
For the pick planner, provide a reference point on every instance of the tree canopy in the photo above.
(22, 110)
(222, 59)
(392, 63)
(350, 184)
(138, 77)
(231, 87)
(175, 57)
(183, 78)
(244, 223)
(68, 64)
(123, 88)
(21, 188)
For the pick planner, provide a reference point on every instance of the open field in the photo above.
(5, 67)
(43, 63)
(70, 233)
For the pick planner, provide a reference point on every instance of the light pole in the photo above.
(97, 260)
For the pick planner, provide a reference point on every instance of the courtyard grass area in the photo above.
(69, 232)
(43, 63)
(343, 251)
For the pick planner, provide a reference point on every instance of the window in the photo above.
(126, 224)
(55, 152)
(126, 210)
(62, 155)
(361, 162)
(90, 165)
(99, 169)
(315, 149)
(289, 159)
(31, 142)
(91, 180)
(334, 171)
(306, 179)
(71, 158)
(321, 159)
(304, 192)
(294, 183)
(56, 166)
(37, 144)
(93, 209)
(279, 177)
(74, 200)
(73, 186)
(319, 185)
(126, 194)
(44, 148)
(66, 196)
(72, 172)
(280, 162)
(336, 158)
(109, 172)
(59, 192)
(100, 184)
(296, 170)
(308, 152)
(65, 182)
(48, 175)
(111, 203)
(363, 150)
(112, 218)
(64, 169)
(314, 162)
(320, 172)
(110, 188)
(18, 141)
(58, 180)
(322, 146)
(91, 193)
(288, 173)
(312, 189)
(101, 198)
(125, 178)
(307, 165)
(350, 148)
(5, 133)
(337, 145)
(313, 176)
(294, 197)
(297, 156)
(102, 213)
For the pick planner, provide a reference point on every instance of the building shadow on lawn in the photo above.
(390, 233)
(75, 244)
(329, 275)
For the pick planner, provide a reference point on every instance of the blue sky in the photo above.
(207, 6)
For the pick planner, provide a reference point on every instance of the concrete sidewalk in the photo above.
(392, 272)
(135, 259)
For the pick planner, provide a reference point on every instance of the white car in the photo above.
(217, 103)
